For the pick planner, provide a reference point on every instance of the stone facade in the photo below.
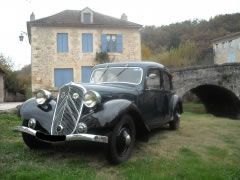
(45, 56)
(227, 49)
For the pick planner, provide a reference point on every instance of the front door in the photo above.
(153, 104)
(62, 76)
(86, 73)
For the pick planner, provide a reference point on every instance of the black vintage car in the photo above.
(122, 101)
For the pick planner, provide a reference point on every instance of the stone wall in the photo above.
(226, 75)
(217, 87)
(45, 57)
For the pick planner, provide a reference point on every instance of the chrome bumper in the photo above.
(56, 138)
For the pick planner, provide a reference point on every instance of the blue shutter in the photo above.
(119, 43)
(62, 42)
(87, 42)
(90, 42)
(62, 76)
(86, 73)
(65, 42)
(59, 42)
(104, 43)
(84, 43)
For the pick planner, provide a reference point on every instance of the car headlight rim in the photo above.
(43, 96)
(91, 99)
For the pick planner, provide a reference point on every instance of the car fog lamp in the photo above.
(43, 96)
(32, 123)
(82, 128)
(91, 98)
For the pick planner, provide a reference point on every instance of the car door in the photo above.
(167, 93)
(153, 99)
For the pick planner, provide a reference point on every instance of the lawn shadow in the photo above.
(90, 152)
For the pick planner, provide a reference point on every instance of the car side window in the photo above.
(153, 79)
(166, 81)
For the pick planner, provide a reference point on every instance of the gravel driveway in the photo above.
(9, 105)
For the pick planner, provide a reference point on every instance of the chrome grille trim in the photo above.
(64, 110)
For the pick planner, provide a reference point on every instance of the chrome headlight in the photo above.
(32, 123)
(91, 98)
(43, 96)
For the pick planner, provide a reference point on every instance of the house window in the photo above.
(112, 43)
(62, 42)
(87, 18)
(87, 42)
(231, 57)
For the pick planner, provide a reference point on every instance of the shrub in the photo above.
(102, 57)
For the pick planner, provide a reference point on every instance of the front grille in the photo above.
(68, 109)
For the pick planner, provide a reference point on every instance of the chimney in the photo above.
(32, 17)
(124, 17)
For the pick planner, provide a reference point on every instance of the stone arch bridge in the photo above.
(217, 86)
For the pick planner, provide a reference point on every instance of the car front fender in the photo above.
(112, 111)
(43, 115)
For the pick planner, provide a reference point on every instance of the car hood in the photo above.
(113, 91)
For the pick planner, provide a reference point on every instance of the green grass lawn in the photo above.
(205, 147)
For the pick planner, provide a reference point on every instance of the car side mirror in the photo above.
(152, 76)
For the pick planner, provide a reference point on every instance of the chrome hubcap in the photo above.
(124, 141)
(178, 115)
(127, 138)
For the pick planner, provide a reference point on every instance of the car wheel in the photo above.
(33, 142)
(175, 123)
(121, 140)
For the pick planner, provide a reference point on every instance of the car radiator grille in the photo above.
(68, 109)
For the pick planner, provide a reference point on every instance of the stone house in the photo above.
(64, 45)
(227, 49)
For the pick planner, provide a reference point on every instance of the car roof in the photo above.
(142, 64)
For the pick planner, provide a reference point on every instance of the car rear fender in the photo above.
(43, 116)
(175, 101)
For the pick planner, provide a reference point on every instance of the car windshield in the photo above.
(131, 75)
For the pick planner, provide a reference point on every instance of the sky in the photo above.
(15, 13)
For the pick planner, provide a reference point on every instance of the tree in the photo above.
(163, 41)
(146, 52)
(15, 81)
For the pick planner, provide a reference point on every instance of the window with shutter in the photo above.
(62, 42)
(87, 42)
(87, 18)
(112, 43)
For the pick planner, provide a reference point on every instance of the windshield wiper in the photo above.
(107, 67)
(124, 69)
